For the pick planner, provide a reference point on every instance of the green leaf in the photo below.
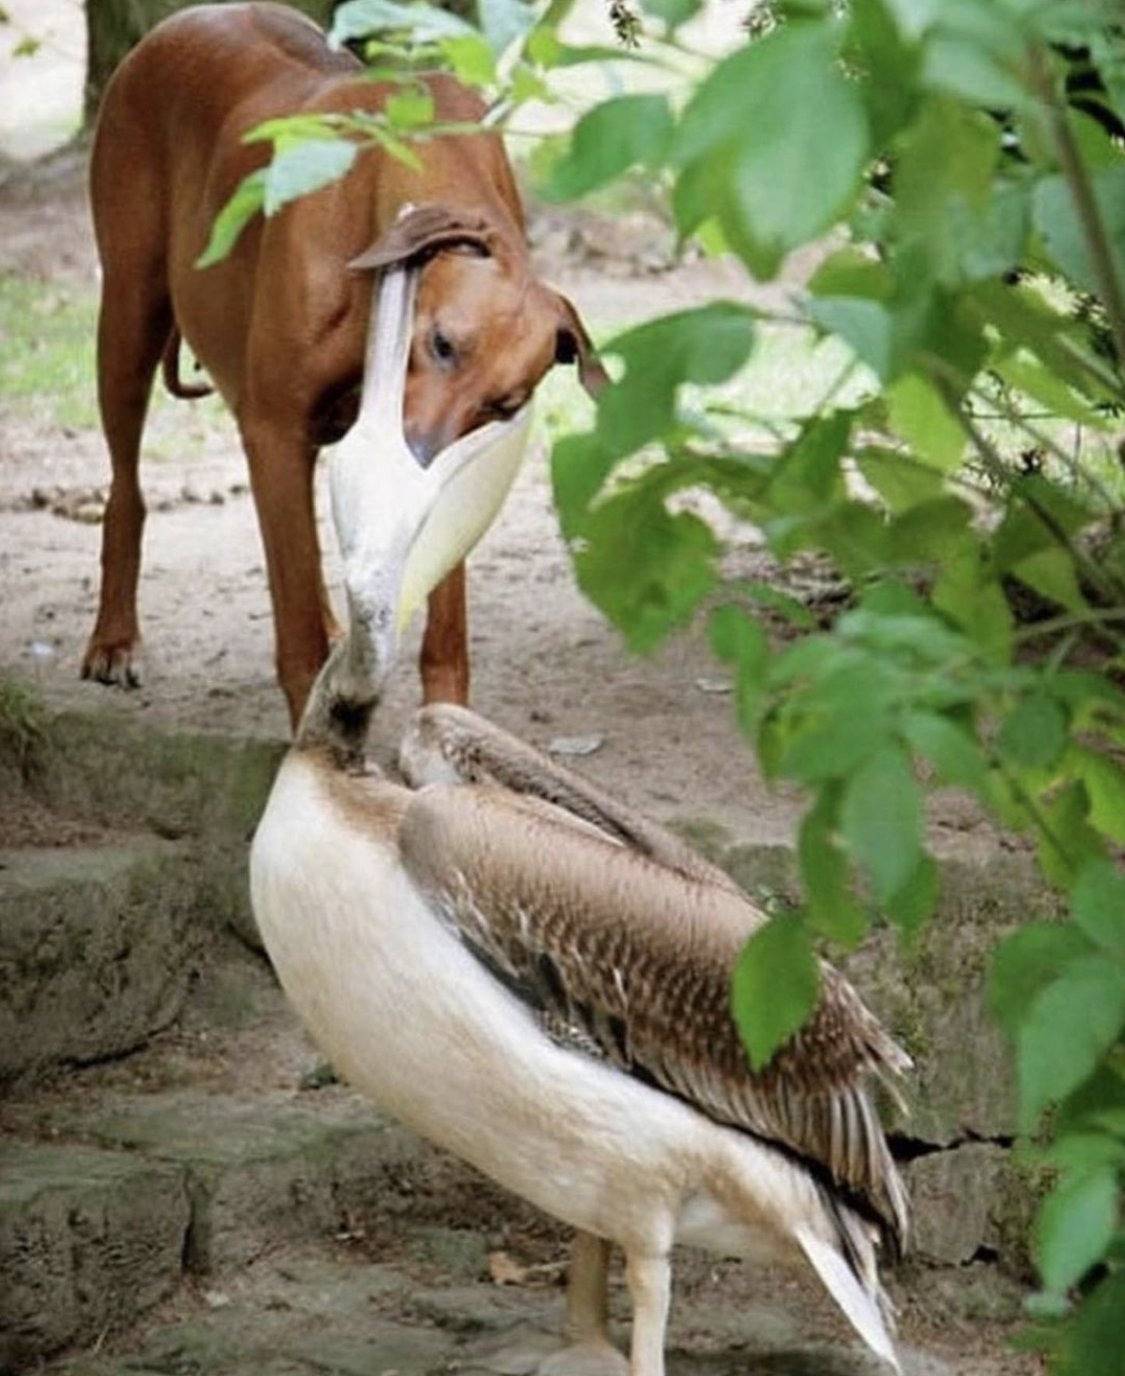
(837, 723)
(1023, 318)
(292, 129)
(1069, 1027)
(1023, 532)
(990, 240)
(614, 136)
(705, 345)
(774, 987)
(962, 66)
(936, 530)
(300, 168)
(1056, 218)
(247, 200)
(739, 641)
(1027, 375)
(865, 326)
(409, 108)
(1091, 1344)
(910, 906)
(1074, 1226)
(1085, 1151)
(1105, 787)
(472, 60)
(806, 475)
(913, 636)
(1034, 734)
(943, 176)
(580, 465)
(918, 413)
(955, 754)
(851, 271)
(830, 905)
(1025, 963)
(1051, 573)
(881, 821)
(1098, 901)
(1067, 841)
(424, 23)
(968, 593)
(647, 569)
(798, 136)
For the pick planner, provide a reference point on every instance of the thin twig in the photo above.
(1012, 414)
(1085, 203)
(1069, 621)
(997, 469)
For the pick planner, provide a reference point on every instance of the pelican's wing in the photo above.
(638, 959)
(445, 742)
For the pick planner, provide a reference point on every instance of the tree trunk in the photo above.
(114, 26)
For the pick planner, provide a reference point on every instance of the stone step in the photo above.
(92, 1234)
(315, 1314)
(88, 1240)
(98, 945)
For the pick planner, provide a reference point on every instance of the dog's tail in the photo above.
(170, 367)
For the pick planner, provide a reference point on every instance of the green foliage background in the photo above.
(976, 224)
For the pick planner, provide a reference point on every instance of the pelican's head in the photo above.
(460, 336)
(403, 523)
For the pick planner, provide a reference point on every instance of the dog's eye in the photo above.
(442, 347)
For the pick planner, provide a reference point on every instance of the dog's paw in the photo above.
(112, 661)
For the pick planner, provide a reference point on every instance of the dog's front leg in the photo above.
(281, 478)
(445, 646)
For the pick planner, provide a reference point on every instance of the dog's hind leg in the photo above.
(133, 328)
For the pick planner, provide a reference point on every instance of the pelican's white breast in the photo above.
(412, 1019)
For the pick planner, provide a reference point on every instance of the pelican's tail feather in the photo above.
(863, 1307)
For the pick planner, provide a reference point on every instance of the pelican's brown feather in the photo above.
(478, 751)
(639, 957)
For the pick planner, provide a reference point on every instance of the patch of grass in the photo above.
(48, 368)
(47, 350)
(23, 724)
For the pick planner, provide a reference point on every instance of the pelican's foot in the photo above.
(540, 1355)
(585, 1359)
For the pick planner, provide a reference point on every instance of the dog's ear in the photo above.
(421, 231)
(573, 345)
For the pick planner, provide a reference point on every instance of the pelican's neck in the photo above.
(338, 713)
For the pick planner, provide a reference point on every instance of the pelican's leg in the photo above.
(589, 1351)
(649, 1278)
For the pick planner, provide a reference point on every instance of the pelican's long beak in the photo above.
(403, 526)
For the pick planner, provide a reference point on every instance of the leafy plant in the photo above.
(973, 221)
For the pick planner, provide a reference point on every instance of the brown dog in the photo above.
(280, 325)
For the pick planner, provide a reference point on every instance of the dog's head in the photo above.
(485, 329)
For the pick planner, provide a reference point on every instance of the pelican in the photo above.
(530, 975)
